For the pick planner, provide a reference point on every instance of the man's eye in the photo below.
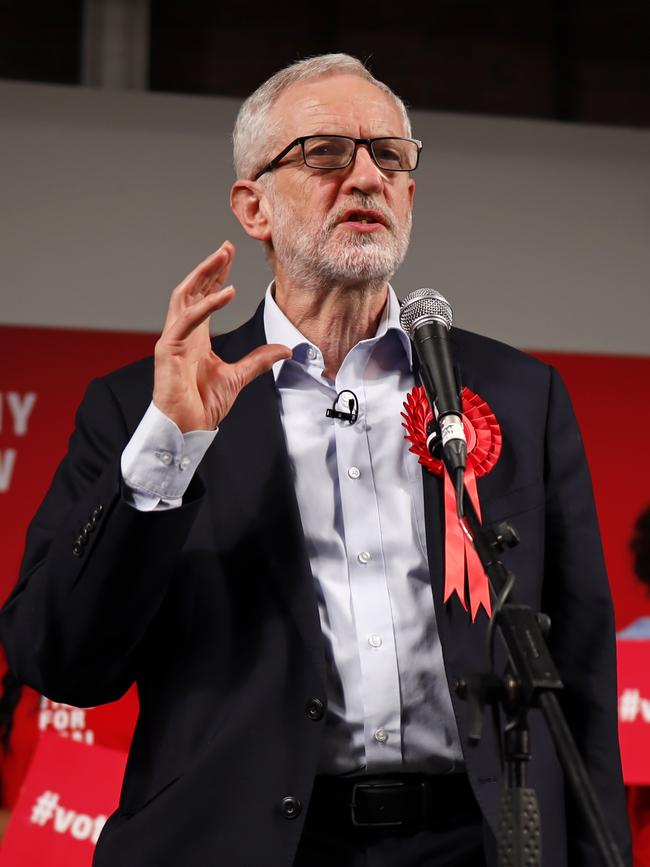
(388, 155)
(321, 150)
(324, 148)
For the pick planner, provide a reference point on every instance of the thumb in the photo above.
(260, 360)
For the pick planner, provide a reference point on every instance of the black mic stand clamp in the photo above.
(531, 680)
(519, 827)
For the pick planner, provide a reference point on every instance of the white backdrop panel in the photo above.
(537, 232)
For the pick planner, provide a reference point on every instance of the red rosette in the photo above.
(484, 442)
(482, 431)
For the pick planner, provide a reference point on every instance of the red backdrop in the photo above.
(55, 365)
(609, 397)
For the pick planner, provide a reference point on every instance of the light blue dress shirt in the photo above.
(360, 497)
(638, 629)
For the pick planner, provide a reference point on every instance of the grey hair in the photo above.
(254, 135)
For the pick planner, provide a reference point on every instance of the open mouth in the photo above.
(363, 217)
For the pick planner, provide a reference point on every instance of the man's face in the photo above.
(340, 226)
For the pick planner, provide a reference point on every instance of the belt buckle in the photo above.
(384, 784)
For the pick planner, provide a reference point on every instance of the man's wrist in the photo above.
(160, 460)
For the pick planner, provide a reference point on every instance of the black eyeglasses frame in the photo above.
(368, 142)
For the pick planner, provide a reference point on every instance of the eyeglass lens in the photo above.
(333, 152)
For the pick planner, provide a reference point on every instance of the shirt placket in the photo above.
(368, 580)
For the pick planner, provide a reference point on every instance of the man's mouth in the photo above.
(365, 219)
(359, 215)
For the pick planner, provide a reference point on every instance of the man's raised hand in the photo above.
(192, 385)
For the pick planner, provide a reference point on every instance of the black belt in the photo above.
(394, 801)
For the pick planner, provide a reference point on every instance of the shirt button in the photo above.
(363, 557)
(354, 472)
(165, 458)
(184, 464)
(381, 736)
(375, 641)
(311, 353)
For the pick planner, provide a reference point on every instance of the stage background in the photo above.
(536, 231)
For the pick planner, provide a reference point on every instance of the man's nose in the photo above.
(364, 173)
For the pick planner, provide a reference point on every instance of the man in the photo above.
(275, 588)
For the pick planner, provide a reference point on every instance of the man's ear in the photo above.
(250, 205)
(411, 189)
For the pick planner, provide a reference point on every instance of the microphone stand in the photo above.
(531, 680)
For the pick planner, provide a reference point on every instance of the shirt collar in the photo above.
(279, 329)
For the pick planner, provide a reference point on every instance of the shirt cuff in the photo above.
(159, 461)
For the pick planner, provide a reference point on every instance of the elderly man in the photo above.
(272, 577)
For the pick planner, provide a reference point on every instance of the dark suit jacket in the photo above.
(211, 609)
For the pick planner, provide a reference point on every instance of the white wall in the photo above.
(538, 233)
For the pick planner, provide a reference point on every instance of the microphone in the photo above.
(426, 317)
(353, 407)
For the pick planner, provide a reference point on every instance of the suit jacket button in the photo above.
(98, 511)
(77, 549)
(290, 807)
(83, 535)
(315, 709)
(89, 527)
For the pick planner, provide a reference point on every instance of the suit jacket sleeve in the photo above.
(582, 637)
(95, 571)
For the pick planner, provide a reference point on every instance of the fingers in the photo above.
(216, 265)
(208, 277)
(191, 317)
(260, 360)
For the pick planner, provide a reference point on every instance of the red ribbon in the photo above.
(483, 449)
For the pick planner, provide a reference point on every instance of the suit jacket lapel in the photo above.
(250, 452)
(463, 642)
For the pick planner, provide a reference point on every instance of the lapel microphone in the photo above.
(352, 413)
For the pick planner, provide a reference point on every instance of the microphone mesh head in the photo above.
(424, 305)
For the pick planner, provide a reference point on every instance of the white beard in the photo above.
(313, 258)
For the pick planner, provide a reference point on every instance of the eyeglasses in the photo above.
(338, 151)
